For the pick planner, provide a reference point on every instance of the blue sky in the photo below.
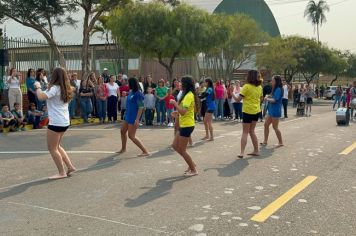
(338, 32)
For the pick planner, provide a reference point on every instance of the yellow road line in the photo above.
(349, 149)
(282, 200)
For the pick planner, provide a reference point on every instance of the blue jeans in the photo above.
(86, 107)
(169, 115)
(112, 108)
(101, 108)
(34, 120)
(337, 100)
(219, 111)
(161, 111)
(72, 106)
(238, 110)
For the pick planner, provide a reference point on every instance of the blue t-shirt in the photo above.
(275, 109)
(30, 83)
(210, 100)
(133, 103)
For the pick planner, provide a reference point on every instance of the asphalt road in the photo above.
(126, 195)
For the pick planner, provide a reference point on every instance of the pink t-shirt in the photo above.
(219, 91)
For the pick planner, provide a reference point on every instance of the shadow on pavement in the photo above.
(168, 151)
(103, 163)
(235, 168)
(22, 188)
(160, 190)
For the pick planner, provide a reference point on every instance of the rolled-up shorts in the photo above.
(249, 118)
(186, 131)
(58, 129)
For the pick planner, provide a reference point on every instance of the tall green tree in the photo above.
(283, 56)
(239, 48)
(93, 10)
(351, 65)
(173, 3)
(336, 65)
(158, 31)
(315, 60)
(315, 13)
(43, 16)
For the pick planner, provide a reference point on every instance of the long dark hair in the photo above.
(29, 72)
(278, 84)
(187, 86)
(38, 76)
(253, 78)
(209, 84)
(133, 85)
(11, 70)
(60, 78)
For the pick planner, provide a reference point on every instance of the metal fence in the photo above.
(24, 54)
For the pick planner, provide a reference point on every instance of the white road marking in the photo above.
(88, 216)
(103, 152)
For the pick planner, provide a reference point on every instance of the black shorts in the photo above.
(186, 131)
(58, 129)
(309, 100)
(210, 111)
(249, 118)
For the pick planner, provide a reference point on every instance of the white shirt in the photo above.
(45, 79)
(112, 89)
(285, 91)
(237, 94)
(141, 86)
(58, 113)
(14, 82)
(179, 95)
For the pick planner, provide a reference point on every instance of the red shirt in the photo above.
(168, 105)
(124, 88)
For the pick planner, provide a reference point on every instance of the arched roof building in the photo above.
(257, 9)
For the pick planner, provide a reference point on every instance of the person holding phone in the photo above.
(14, 81)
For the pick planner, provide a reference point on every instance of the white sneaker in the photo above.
(170, 124)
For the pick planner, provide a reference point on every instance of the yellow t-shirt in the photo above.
(187, 120)
(252, 98)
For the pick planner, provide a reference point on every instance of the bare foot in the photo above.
(121, 151)
(55, 177)
(210, 139)
(191, 173)
(71, 170)
(278, 145)
(144, 155)
(205, 138)
(263, 144)
(240, 156)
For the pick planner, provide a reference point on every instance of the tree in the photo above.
(283, 56)
(336, 65)
(102, 28)
(351, 65)
(93, 10)
(156, 30)
(280, 56)
(315, 13)
(42, 16)
(240, 47)
(315, 60)
(173, 3)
